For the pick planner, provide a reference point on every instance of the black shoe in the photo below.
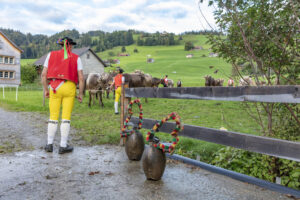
(66, 149)
(49, 148)
(116, 113)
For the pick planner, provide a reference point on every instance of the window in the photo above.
(88, 56)
(11, 75)
(7, 75)
(7, 60)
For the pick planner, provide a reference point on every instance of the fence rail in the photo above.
(270, 146)
(265, 145)
(279, 94)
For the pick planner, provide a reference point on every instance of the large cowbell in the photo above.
(134, 145)
(154, 158)
(154, 163)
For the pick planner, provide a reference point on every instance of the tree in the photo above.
(264, 35)
(123, 49)
(188, 46)
(140, 42)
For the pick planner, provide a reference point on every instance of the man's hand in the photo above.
(46, 93)
(80, 97)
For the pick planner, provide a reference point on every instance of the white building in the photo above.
(10, 57)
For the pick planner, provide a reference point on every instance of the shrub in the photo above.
(188, 46)
(111, 53)
(259, 166)
(28, 73)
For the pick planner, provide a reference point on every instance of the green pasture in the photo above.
(27, 61)
(100, 125)
(171, 60)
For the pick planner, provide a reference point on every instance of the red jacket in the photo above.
(60, 68)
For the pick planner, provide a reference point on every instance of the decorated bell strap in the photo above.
(169, 147)
(125, 132)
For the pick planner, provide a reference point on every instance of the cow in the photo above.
(134, 80)
(246, 80)
(148, 80)
(170, 83)
(109, 80)
(96, 83)
(210, 81)
(156, 82)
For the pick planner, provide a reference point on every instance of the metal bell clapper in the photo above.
(134, 146)
(154, 162)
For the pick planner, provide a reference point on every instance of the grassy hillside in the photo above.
(27, 61)
(171, 60)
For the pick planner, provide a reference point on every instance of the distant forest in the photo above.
(35, 46)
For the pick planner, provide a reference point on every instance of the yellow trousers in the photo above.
(64, 96)
(118, 93)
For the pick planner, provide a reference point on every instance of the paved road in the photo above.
(100, 172)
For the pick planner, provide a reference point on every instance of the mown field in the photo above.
(100, 125)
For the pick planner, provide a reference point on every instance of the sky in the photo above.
(51, 16)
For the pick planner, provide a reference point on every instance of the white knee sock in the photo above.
(52, 128)
(116, 107)
(64, 131)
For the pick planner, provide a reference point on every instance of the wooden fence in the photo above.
(265, 145)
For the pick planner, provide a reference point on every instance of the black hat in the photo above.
(69, 40)
(120, 70)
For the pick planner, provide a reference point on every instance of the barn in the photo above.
(10, 57)
(90, 61)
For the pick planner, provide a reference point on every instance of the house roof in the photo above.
(78, 52)
(11, 42)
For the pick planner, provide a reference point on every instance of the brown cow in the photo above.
(210, 81)
(96, 84)
(156, 82)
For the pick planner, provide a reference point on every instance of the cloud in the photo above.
(121, 19)
(49, 17)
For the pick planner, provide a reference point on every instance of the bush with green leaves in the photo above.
(259, 166)
(28, 74)
(188, 46)
(111, 53)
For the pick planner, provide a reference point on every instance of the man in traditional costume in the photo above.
(166, 81)
(119, 79)
(62, 72)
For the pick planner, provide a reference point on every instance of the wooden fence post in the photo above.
(123, 113)
(17, 93)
